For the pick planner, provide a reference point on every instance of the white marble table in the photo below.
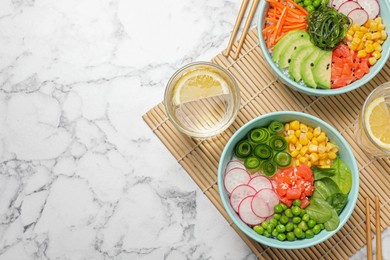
(81, 175)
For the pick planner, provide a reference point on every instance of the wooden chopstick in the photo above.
(240, 16)
(248, 21)
(378, 229)
(368, 230)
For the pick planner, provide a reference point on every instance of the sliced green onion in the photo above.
(278, 143)
(269, 168)
(259, 135)
(243, 149)
(263, 151)
(252, 163)
(276, 127)
(283, 159)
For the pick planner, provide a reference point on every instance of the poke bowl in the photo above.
(326, 48)
(296, 197)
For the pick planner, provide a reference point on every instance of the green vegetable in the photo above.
(309, 233)
(283, 159)
(324, 188)
(318, 211)
(278, 208)
(298, 232)
(311, 223)
(281, 237)
(281, 228)
(289, 227)
(303, 226)
(316, 3)
(295, 210)
(252, 163)
(243, 149)
(278, 143)
(327, 27)
(297, 203)
(259, 135)
(306, 2)
(277, 216)
(269, 167)
(273, 222)
(258, 229)
(264, 224)
(333, 222)
(306, 217)
(284, 206)
(316, 229)
(310, 8)
(283, 220)
(337, 201)
(296, 220)
(270, 228)
(275, 127)
(275, 233)
(263, 151)
(288, 213)
(290, 236)
(320, 173)
(266, 233)
(343, 175)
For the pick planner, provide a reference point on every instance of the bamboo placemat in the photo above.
(262, 92)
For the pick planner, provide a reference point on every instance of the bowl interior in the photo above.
(384, 13)
(345, 154)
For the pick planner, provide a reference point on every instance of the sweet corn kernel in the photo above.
(372, 60)
(363, 29)
(369, 42)
(355, 27)
(294, 125)
(378, 20)
(381, 27)
(294, 153)
(313, 157)
(358, 35)
(298, 133)
(373, 26)
(353, 46)
(329, 146)
(308, 164)
(314, 141)
(291, 147)
(293, 139)
(376, 35)
(324, 162)
(332, 155)
(325, 166)
(369, 48)
(303, 128)
(287, 127)
(297, 163)
(348, 38)
(302, 159)
(317, 131)
(290, 132)
(298, 146)
(356, 40)
(383, 35)
(303, 139)
(362, 53)
(310, 129)
(350, 32)
(321, 138)
(313, 148)
(304, 150)
(377, 55)
(360, 46)
(321, 148)
(377, 46)
(380, 41)
(323, 156)
(368, 23)
(335, 149)
(298, 156)
(364, 39)
(368, 36)
(309, 135)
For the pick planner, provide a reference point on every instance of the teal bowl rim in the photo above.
(352, 196)
(374, 70)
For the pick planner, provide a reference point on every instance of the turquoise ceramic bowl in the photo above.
(384, 13)
(345, 154)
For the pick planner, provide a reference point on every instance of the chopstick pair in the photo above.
(377, 230)
(248, 21)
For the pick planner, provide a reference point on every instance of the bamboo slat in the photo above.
(262, 92)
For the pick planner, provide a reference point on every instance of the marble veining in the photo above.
(81, 175)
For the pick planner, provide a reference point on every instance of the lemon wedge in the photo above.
(199, 84)
(377, 117)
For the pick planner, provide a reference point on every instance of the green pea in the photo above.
(281, 228)
(278, 208)
(298, 232)
(307, 2)
(296, 220)
(316, 229)
(290, 236)
(322, 226)
(289, 227)
(264, 224)
(306, 217)
(271, 227)
(275, 233)
(325, 2)
(284, 206)
(316, 3)
(303, 226)
(309, 233)
(273, 221)
(266, 233)
(301, 4)
(298, 1)
(258, 229)
(277, 216)
(310, 8)
(281, 237)
(303, 212)
(295, 210)
(283, 220)
(297, 203)
(311, 223)
(288, 213)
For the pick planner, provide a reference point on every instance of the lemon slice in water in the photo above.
(199, 84)
(377, 117)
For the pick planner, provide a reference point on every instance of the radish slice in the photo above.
(347, 7)
(234, 164)
(239, 193)
(336, 3)
(358, 16)
(371, 7)
(246, 213)
(260, 182)
(263, 203)
(235, 177)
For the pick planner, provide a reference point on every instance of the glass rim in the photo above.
(365, 105)
(233, 116)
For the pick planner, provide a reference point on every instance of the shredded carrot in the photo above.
(298, 6)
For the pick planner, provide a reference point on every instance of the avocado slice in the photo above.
(285, 40)
(296, 59)
(307, 65)
(285, 55)
(321, 70)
